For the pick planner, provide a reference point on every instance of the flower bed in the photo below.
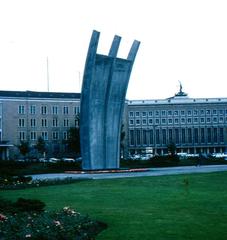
(65, 224)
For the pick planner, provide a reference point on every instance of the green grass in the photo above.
(166, 207)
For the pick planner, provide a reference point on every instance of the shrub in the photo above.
(165, 161)
(29, 205)
(66, 224)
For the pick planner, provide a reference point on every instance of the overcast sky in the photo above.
(180, 40)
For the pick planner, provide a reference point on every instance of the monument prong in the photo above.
(115, 46)
(102, 102)
(133, 51)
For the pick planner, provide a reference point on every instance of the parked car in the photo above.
(68, 159)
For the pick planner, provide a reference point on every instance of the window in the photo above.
(202, 112)
(221, 133)
(202, 132)
(21, 122)
(183, 135)
(176, 120)
(43, 110)
(195, 120)
(44, 135)
(189, 135)
(151, 114)
(169, 113)
(65, 110)
(21, 109)
(144, 121)
(157, 136)
(163, 113)
(144, 114)
(182, 112)
(33, 135)
(214, 111)
(196, 135)
(66, 122)
(150, 121)
(32, 109)
(195, 112)
(170, 135)
(177, 137)
(170, 120)
(215, 135)
(189, 120)
(156, 113)
(137, 121)
(131, 114)
(151, 136)
(55, 135)
(208, 120)
(138, 137)
(164, 136)
(183, 120)
(176, 113)
(44, 122)
(33, 122)
(55, 110)
(215, 120)
(144, 137)
(221, 119)
(77, 121)
(131, 122)
(221, 112)
(189, 112)
(55, 122)
(157, 121)
(137, 114)
(209, 135)
(131, 136)
(163, 121)
(202, 120)
(22, 136)
(208, 111)
(77, 110)
(65, 135)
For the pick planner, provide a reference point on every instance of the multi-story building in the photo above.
(26, 116)
(194, 125)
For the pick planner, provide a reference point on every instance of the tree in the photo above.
(24, 148)
(40, 145)
(172, 149)
(73, 141)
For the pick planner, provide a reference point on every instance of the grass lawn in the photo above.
(165, 207)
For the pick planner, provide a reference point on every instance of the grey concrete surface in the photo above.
(103, 94)
(150, 172)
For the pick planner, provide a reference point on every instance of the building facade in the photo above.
(26, 116)
(194, 125)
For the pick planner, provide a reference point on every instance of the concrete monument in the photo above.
(103, 94)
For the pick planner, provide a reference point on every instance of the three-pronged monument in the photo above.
(103, 94)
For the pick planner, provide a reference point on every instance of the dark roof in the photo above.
(32, 94)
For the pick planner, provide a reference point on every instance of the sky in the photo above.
(181, 40)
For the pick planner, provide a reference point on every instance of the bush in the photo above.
(29, 205)
(66, 224)
(21, 205)
(165, 161)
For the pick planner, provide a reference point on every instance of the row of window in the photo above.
(179, 136)
(48, 109)
(55, 135)
(194, 112)
(33, 122)
(151, 121)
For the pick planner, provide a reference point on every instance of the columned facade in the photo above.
(193, 125)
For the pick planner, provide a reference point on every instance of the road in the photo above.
(148, 172)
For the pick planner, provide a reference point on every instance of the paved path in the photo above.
(150, 172)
